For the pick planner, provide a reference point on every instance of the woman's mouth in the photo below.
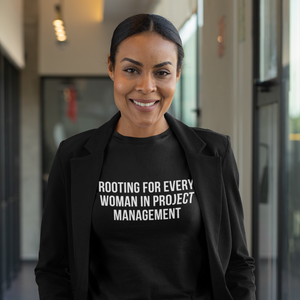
(144, 105)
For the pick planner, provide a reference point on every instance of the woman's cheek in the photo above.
(168, 93)
(120, 87)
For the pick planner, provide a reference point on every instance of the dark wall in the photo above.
(9, 172)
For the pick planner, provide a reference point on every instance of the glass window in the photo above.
(70, 106)
(268, 204)
(184, 105)
(188, 35)
(268, 39)
(292, 156)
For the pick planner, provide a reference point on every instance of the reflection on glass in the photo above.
(188, 35)
(268, 201)
(73, 105)
(175, 108)
(268, 39)
(292, 74)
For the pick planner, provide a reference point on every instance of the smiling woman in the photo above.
(144, 207)
(145, 64)
(145, 77)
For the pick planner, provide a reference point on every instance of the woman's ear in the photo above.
(110, 68)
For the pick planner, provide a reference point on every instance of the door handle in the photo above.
(265, 86)
(197, 111)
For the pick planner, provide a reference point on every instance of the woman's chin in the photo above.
(148, 123)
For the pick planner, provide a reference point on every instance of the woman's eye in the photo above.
(163, 73)
(131, 70)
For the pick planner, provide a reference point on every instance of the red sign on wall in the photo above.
(221, 36)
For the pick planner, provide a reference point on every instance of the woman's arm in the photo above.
(240, 272)
(52, 270)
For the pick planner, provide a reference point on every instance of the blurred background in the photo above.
(241, 77)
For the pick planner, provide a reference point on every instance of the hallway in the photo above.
(24, 286)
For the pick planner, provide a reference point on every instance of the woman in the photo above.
(144, 207)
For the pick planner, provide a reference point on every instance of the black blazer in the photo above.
(63, 266)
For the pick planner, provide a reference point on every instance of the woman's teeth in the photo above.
(144, 104)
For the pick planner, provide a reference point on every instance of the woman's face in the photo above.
(145, 76)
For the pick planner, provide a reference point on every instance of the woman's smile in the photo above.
(144, 105)
(145, 76)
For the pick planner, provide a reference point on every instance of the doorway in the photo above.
(276, 173)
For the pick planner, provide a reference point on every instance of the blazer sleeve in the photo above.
(240, 271)
(52, 270)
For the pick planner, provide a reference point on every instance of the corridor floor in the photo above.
(24, 286)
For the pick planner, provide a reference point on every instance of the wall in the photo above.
(226, 98)
(87, 47)
(11, 30)
(176, 11)
(31, 179)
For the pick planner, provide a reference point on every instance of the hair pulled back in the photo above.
(146, 23)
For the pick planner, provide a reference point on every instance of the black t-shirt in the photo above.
(147, 238)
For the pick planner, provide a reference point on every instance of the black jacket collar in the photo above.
(189, 140)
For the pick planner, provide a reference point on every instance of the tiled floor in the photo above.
(24, 286)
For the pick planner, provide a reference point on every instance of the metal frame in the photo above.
(283, 214)
(281, 155)
(255, 228)
(1, 167)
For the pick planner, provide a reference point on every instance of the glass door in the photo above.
(185, 106)
(267, 94)
(291, 153)
(276, 173)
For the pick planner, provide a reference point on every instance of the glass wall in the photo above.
(268, 39)
(185, 102)
(277, 156)
(291, 76)
(70, 106)
(268, 202)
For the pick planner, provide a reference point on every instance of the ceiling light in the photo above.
(58, 22)
(62, 38)
(60, 33)
(58, 25)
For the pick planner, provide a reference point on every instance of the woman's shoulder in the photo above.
(79, 139)
(74, 146)
(215, 142)
(210, 135)
(89, 141)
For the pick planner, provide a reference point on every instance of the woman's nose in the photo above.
(146, 84)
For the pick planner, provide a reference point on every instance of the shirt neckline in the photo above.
(141, 140)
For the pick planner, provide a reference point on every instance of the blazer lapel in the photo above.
(85, 174)
(206, 174)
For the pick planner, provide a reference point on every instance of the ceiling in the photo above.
(120, 9)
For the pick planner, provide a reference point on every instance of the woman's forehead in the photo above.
(147, 45)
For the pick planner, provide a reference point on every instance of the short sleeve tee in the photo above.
(147, 238)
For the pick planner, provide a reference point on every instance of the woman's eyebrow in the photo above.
(132, 61)
(141, 65)
(163, 64)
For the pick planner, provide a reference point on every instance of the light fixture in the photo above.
(59, 25)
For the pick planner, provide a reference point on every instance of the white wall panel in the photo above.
(11, 30)
(226, 103)
(87, 47)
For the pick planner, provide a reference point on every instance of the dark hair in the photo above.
(143, 23)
